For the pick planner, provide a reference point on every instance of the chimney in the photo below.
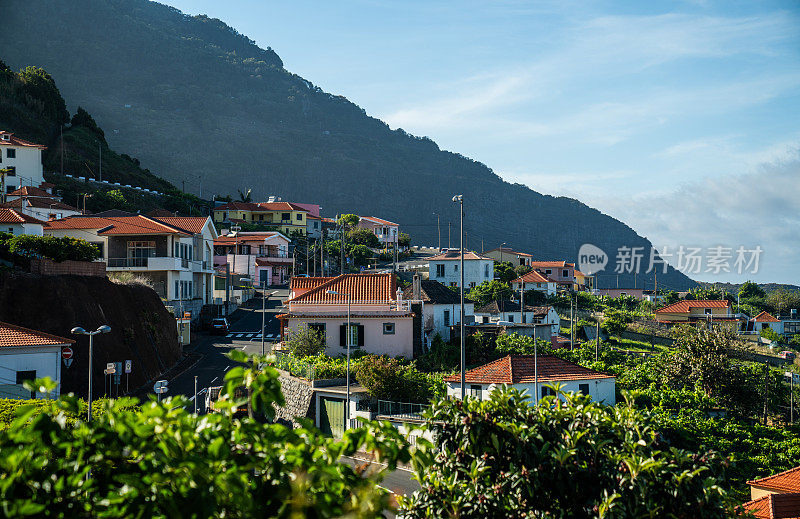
(399, 295)
(416, 284)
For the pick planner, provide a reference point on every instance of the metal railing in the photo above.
(127, 262)
(400, 409)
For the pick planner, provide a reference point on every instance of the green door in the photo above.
(331, 416)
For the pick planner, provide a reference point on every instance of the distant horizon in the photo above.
(673, 117)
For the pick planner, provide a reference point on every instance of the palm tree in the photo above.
(246, 196)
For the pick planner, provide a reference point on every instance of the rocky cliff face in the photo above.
(141, 328)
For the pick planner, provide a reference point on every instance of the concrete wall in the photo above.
(28, 164)
(299, 398)
(375, 342)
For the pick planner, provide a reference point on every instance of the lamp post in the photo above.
(438, 231)
(263, 312)
(460, 200)
(80, 331)
(347, 343)
(501, 251)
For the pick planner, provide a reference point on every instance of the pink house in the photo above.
(386, 231)
(561, 272)
(381, 322)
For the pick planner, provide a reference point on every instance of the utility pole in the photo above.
(100, 168)
(460, 200)
(263, 313)
(597, 341)
(571, 325)
(522, 301)
(448, 236)
(195, 394)
(227, 287)
(438, 231)
(61, 138)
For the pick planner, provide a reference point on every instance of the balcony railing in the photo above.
(127, 262)
(157, 263)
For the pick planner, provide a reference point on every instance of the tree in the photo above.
(616, 321)
(306, 341)
(362, 236)
(750, 290)
(349, 221)
(246, 196)
(568, 457)
(781, 299)
(404, 240)
(521, 270)
(50, 247)
(488, 291)
(504, 271)
(390, 379)
(160, 460)
(83, 119)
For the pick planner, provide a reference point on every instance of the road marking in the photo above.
(229, 336)
(226, 369)
(239, 335)
(190, 400)
(215, 378)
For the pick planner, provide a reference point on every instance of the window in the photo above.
(547, 391)
(138, 250)
(547, 272)
(316, 225)
(317, 327)
(12, 171)
(511, 318)
(538, 285)
(583, 388)
(790, 328)
(565, 273)
(10, 230)
(455, 267)
(177, 290)
(486, 270)
(286, 217)
(471, 284)
(299, 216)
(388, 328)
(22, 376)
(439, 271)
(11, 153)
(356, 335)
(475, 391)
(453, 284)
(708, 311)
(765, 326)
(447, 317)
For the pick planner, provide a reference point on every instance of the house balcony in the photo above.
(155, 263)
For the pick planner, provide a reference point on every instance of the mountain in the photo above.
(200, 104)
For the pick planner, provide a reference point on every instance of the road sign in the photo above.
(66, 353)
(160, 386)
(109, 371)
(128, 365)
(117, 372)
(110, 365)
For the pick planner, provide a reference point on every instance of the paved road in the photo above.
(398, 481)
(243, 335)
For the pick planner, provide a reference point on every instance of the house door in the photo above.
(331, 416)
(263, 277)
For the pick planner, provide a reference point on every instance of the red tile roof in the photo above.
(533, 277)
(774, 506)
(506, 250)
(30, 191)
(683, 307)
(377, 220)
(579, 273)
(299, 282)
(353, 315)
(787, 481)
(455, 255)
(243, 238)
(39, 202)
(193, 224)
(12, 336)
(766, 317)
(551, 264)
(12, 216)
(16, 141)
(280, 206)
(117, 225)
(364, 288)
(515, 369)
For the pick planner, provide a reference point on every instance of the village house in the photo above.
(533, 374)
(779, 492)
(15, 222)
(27, 354)
(43, 208)
(22, 161)
(510, 255)
(790, 323)
(710, 312)
(766, 320)
(580, 280)
(638, 293)
(534, 280)
(561, 272)
(174, 253)
(381, 321)
(286, 217)
(261, 256)
(441, 307)
(773, 506)
(509, 311)
(387, 232)
(444, 269)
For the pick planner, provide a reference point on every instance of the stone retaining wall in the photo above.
(299, 396)
(47, 267)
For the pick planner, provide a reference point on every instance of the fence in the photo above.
(400, 409)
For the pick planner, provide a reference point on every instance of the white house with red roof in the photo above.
(766, 320)
(16, 222)
(175, 252)
(444, 269)
(23, 159)
(561, 272)
(386, 231)
(381, 321)
(533, 374)
(261, 256)
(27, 354)
(534, 280)
(711, 312)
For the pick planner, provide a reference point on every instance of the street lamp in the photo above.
(460, 200)
(438, 230)
(501, 251)
(80, 331)
(347, 339)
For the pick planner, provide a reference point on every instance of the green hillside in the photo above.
(201, 104)
(32, 107)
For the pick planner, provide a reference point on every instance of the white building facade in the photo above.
(444, 268)
(27, 354)
(23, 158)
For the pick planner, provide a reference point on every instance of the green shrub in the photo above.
(56, 249)
(771, 335)
(306, 341)
(392, 379)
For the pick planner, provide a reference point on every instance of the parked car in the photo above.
(788, 355)
(219, 326)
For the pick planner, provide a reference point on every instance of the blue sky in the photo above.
(679, 118)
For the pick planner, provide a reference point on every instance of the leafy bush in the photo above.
(362, 236)
(573, 458)
(771, 335)
(130, 278)
(305, 342)
(488, 291)
(159, 460)
(56, 249)
(391, 379)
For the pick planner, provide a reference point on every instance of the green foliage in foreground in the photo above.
(573, 459)
(9, 407)
(159, 460)
(56, 249)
